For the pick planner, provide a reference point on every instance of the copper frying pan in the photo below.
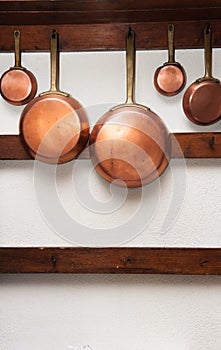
(170, 78)
(130, 143)
(54, 126)
(18, 85)
(201, 101)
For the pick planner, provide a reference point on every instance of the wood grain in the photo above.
(201, 261)
(184, 145)
(105, 11)
(196, 145)
(109, 36)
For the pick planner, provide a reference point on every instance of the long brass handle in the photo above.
(54, 88)
(130, 58)
(171, 52)
(208, 53)
(208, 56)
(17, 48)
(54, 63)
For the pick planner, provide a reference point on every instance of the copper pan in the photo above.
(54, 126)
(18, 85)
(202, 99)
(130, 144)
(170, 78)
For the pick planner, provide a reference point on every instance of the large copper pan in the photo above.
(202, 99)
(130, 144)
(54, 126)
(170, 78)
(18, 85)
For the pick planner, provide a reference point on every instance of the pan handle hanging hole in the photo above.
(16, 32)
(170, 27)
(208, 28)
(54, 33)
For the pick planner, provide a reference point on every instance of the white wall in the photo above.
(111, 312)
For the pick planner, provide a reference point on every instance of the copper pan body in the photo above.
(18, 85)
(130, 146)
(202, 99)
(54, 127)
(202, 102)
(170, 78)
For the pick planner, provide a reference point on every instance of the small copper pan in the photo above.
(54, 126)
(130, 144)
(202, 99)
(18, 85)
(170, 78)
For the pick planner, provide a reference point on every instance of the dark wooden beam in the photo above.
(187, 145)
(105, 11)
(196, 145)
(109, 36)
(188, 261)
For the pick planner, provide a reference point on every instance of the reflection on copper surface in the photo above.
(170, 79)
(130, 144)
(202, 102)
(54, 127)
(18, 86)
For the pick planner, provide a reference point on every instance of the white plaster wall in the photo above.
(111, 312)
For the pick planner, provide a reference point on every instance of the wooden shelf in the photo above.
(109, 36)
(184, 145)
(197, 261)
(102, 24)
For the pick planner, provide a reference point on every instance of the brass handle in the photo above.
(130, 58)
(54, 88)
(208, 56)
(171, 52)
(208, 53)
(17, 48)
(54, 62)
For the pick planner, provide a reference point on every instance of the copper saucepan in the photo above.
(130, 143)
(18, 85)
(170, 78)
(202, 99)
(54, 126)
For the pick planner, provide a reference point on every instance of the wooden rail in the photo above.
(200, 261)
(187, 145)
(109, 36)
